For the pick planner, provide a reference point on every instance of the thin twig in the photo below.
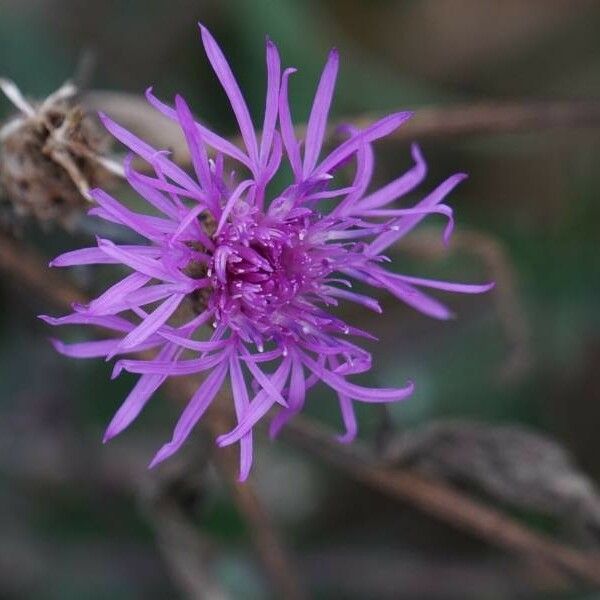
(272, 553)
(443, 502)
(27, 268)
(433, 497)
(492, 117)
(477, 118)
(509, 307)
(187, 553)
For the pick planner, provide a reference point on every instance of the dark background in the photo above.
(74, 516)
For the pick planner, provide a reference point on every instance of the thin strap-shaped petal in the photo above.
(241, 403)
(287, 127)
(200, 346)
(365, 161)
(375, 131)
(275, 158)
(155, 227)
(400, 186)
(139, 396)
(85, 349)
(446, 286)
(388, 238)
(326, 194)
(195, 145)
(148, 153)
(116, 293)
(296, 398)
(413, 297)
(263, 356)
(349, 420)
(142, 264)
(238, 104)
(83, 318)
(150, 189)
(259, 406)
(95, 256)
(271, 104)
(138, 298)
(235, 196)
(96, 349)
(182, 367)
(185, 222)
(192, 413)
(366, 301)
(352, 390)
(124, 216)
(440, 209)
(146, 187)
(212, 139)
(266, 383)
(347, 410)
(151, 323)
(317, 121)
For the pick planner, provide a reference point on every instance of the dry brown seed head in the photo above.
(50, 157)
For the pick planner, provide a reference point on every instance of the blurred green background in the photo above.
(74, 515)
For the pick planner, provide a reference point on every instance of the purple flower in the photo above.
(262, 270)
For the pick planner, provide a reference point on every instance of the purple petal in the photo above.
(415, 298)
(317, 122)
(223, 72)
(85, 349)
(241, 403)
(144, 265)
(296, 398)
(388, 238)
(369, 303)
(182, 367)
(192, 413)
(195, 144)
(365, 161)
(148, 188)
(95, 256)
(116, 293)
(139, 396)
(399, 187)
(272, 101)
(122, 215)
(378, 130)
(354, 391)
(447, 286)
(266, 383)
(148, 153)
(212, 139)
(151, 323)
(80, 318)
(235, 196)
(287, 128)
(259, 406)
(349, 420)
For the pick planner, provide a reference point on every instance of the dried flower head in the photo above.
(263, 269)
(51, 155)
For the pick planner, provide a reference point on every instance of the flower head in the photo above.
(262, 270)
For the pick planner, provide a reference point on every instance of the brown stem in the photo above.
(28, 269)
(491, 117)
(495, 258)
(475, 118)
(443, 502)
(273, 555)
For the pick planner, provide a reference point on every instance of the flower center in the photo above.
(260, 268)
